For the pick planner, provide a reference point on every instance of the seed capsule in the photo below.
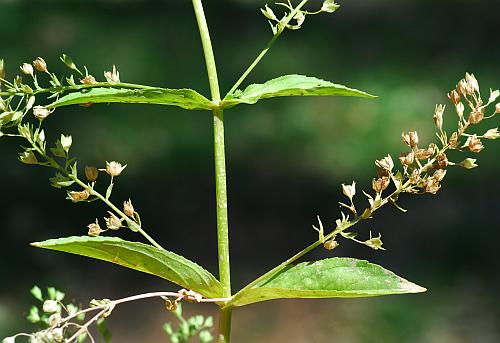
(331, 244)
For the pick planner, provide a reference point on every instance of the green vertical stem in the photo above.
(220, 174)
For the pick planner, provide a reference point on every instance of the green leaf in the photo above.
(205, 336)
(33, 315)
(103, 330)
(290, 85)
(37, 293)
(109, 190)
(107, 93)
(329, 278)
(141, 257)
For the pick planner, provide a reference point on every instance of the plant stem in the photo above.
(267, 48)
(220, 174)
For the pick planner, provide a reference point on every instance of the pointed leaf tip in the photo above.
(328, 278)
(141, 257)
(290, 85)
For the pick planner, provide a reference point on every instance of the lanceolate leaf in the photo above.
(141, 257)
(185, 98)
(290, 85)
(329, 278)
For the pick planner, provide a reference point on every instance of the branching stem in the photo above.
(267, 48)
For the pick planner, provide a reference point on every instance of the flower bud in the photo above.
(54, 319)
(94, 229)
(329, 6)
(40, 65)
(128, 208)
(468, 163)
(40, 112)
(113, 222)
(27, 69)
(438, 116)
(407, 159)
(349, 190)
(79, 196)
(91, 173)
(50, 306)
(454, 97)
(379, 185)
(2, 69)
(493, 96)
(460, 108)
(331, 244)
(268, 13)
(28, 157)
(474, 144)
(472, 83)
(476, 116)
(11, 339)
(114, 168)
(492, 134)
(462, 87)
(410, 138)
(497, 108)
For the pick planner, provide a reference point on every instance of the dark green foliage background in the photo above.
(286, 161)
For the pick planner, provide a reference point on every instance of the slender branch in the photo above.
(267, 48)
(85, 326)
(58, 167)
(109, 305)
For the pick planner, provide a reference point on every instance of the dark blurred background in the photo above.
(286, 161)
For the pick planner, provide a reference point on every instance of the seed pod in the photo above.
(476, 116)
(442, 160)
(474, 144)
(27, 69)
(349, 190)
(380, 184)
(40, 65)
(407, 159)
(94, 229)
(79, 196)
(331, 244)
(91, 173)
(454, 97)
(453, 141)
(438, 116)
(40, 112)
(128, 208)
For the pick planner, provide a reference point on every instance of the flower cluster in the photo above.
(58, 321)
(423, 167)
